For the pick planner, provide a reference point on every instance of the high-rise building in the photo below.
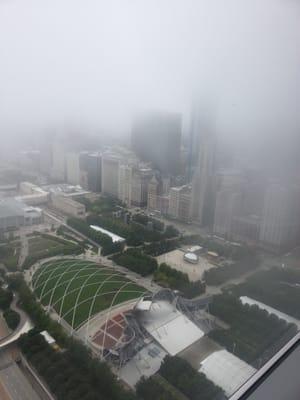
(204, 182)
(153, 192)
(90, 163)
(246, 228)
(73, 168)
(156, 137)
(125, 184)
(228, 204)
(110, 174)
(202, 124)
(58, 161)
(280, 224)
(180, 203)
(139, 186)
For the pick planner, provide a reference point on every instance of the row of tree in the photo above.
(156, 387)
(157, 248)
(179, 373)
(144, 220)
(6, 297)
(103, 205)
(105, 241)
(12, 318)
(68, 377)
(134, 233)
(135, 260)
(99, 382)
(177, 280)
(252, 331)
(278, 287)
(221, 274)
(9, 255)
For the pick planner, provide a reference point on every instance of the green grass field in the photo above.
(39, 244)
(79, 289)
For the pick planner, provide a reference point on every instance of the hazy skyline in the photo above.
(92, 64)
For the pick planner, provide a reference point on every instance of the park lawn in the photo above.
(79, 289)
(39, 244)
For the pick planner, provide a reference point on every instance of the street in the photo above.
(13, 383)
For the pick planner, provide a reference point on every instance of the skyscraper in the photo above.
(156, 137)
(204, 181)
(73, 168)
(125, 184)
(90, 163)
(202, 124)
(280, 226)
(180, 202)
(110, 174)
(59, 161)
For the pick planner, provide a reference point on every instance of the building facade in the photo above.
(110, 174)
(90, 166)
(204, 183)
(141, 178)
(73, 168)
(68, 206)
(280, 224)
(125, 184)
(180, 201)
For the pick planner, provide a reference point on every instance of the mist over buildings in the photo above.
(87, 67)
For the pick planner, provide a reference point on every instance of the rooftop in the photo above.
(169, 327)
(10, 207)
(226, 370)
(65, 189)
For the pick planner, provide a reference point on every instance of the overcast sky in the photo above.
(92, 63)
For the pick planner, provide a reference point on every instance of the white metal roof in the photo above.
(145, 363)
(191, 257)
(143, 305)
(170, 328)
(226, 370)
(114, 237)
(194, 248)
(270, 310)
(49, 339)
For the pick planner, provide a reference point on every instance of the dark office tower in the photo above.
(90, 164)
(204, 181)
(156, 137)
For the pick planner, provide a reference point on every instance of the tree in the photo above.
(12, 318)
(6, 297)
(171, 232)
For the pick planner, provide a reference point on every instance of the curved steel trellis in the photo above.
(45, 283)
(99, 295)
(94, 300)
(42, 273)
(92, 297)
(51, 277)
(79, 270)
(79, 294)
(58, 285)
(66, 292)
(96, 295)
(45, 270)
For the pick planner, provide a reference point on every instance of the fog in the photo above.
(89, 65)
